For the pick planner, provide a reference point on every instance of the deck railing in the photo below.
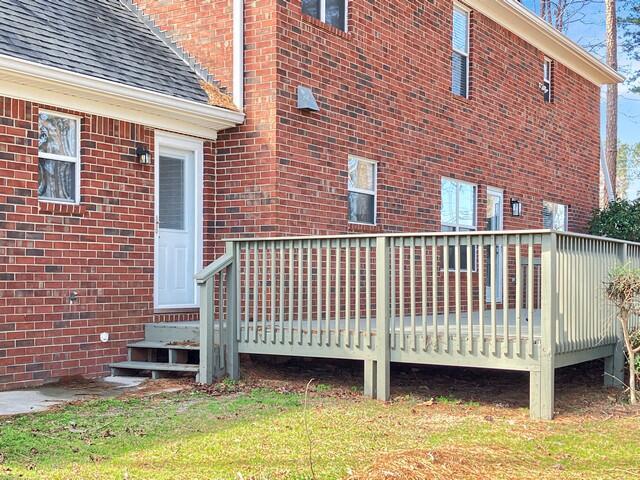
(511, 299)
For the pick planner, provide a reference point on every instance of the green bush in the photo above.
(619, 219)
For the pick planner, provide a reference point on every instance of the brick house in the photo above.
(124, 161)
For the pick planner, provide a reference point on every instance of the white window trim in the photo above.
(182, 142)
(467, 11)
(373, 192)
(323, 13)
(64, 158)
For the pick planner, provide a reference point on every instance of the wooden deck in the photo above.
(532, 301)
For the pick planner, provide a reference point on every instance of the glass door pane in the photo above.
(494, 222)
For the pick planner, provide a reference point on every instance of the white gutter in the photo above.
(238, 54)
(518, 19)
(57, 87)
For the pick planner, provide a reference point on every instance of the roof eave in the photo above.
(57, 87)
(518, 19)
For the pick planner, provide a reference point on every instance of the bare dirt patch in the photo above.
(490, 394)
(442, 464)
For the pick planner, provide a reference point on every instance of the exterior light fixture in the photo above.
(516, 207)
(143, 154)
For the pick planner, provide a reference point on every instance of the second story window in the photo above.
(333, 12)
(460, 55)
(362, 191)
(546, 86)
(59, 157)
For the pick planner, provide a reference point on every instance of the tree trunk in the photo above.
(632, 378)
(611, 145)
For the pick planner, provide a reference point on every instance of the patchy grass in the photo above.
(260, 433)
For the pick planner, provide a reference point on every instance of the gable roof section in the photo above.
(98, 38)
(517, 18)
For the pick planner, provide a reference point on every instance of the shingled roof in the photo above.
(107, 39)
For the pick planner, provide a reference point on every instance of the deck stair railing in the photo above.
(511, 299)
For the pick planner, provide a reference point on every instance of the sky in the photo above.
(587, 28)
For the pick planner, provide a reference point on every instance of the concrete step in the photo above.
(157, 369)
(168, 332)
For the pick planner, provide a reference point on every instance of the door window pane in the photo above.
(56, 180)
(171, 193)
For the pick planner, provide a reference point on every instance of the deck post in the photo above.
(382, 380)
(232, 358)
(542, 380)
(614, 365)
(370, 389)
(207, 354)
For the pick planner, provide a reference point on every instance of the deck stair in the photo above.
(167, 349)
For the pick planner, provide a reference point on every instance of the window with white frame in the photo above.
(333, 12)
(547, 66)
(362, 190)
(58, 157)
(460, 55)
(555, 216)
(458, 214)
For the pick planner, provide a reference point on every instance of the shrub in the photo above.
(619, 219)
(623, 289)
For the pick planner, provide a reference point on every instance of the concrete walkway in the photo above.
(17, 402)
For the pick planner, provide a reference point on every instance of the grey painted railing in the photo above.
(528, 301)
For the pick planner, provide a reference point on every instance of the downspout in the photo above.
(238, 54)
(605, 173)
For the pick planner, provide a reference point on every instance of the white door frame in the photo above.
(497, 192)
(172, 140)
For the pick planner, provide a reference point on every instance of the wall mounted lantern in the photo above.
(143, 154)
(516, 207)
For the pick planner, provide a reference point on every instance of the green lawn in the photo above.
(261, 434)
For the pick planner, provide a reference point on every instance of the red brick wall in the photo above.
(384, 93)
(245, 171)
(202, 27)
(102, 249)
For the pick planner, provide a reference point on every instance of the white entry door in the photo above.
(495, 221)
(178, 221)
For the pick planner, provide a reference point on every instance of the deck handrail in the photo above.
(427, 234)
(528, 300)
(215, 267)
